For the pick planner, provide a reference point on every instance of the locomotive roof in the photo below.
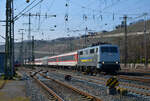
(98, 46)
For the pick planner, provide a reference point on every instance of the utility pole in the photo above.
(33, 49)
(25, 58)
(21, 56)
(29, 47)
(125, 41)
(9, 43)
(86, 29)
(13, 42)
(145, 42)
(29, 30)
(29, 38)
(70, 47)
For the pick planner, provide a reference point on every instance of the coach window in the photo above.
(91, 51)
(81, 52)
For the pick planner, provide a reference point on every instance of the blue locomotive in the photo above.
(104, 58)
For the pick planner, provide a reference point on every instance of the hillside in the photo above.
(132, 27)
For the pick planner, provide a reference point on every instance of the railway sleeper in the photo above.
(87, 98)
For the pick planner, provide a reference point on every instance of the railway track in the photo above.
(144, 80)
(132, 88)
(147, 71)
(51, 95)
(67, 92)
(138, 92)
(59, 91)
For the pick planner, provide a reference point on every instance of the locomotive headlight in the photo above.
(103, 62)
(117, 62)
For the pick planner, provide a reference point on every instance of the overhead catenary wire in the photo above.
(51, 4)
(86, 7)
(67, 15)
(24, 9)
(18, 6)
(28, 10)
(106, 12)
(86, 17)
(39, 17)
(113, 14)
(2, 37)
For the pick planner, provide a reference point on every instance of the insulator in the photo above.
(66, 5)
(27, 1)
(66, 19)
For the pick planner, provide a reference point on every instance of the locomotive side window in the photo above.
(81, 53)
(96, 50)
(86, 51)
(91, 51)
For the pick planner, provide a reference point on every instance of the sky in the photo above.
(96, 15)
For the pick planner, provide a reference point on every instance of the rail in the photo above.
(92, 97)
(48, 89)
(130, 87)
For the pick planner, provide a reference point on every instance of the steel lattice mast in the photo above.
(9, 44)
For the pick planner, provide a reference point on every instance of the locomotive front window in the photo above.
(105, 49)
(113, 49)
(91, 51)
(109, 50)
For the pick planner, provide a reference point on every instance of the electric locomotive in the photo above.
(104, 58)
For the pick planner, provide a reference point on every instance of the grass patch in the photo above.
(2, 94)
(2, 83)
(20, 99)
(2, 77)
(13, 99)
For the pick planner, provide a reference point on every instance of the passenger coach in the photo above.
(66, 60)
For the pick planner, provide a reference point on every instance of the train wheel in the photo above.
(88, 70)
(78, 68)
(99, 71)
(82, 69)
(92, 71)
(95, 71)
